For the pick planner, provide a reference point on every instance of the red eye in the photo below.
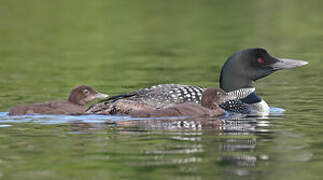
(260, 60)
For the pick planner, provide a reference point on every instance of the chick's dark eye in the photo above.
(220, 93)
(86, 92)
(260, 60)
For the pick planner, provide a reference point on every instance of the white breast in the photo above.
(260, 108)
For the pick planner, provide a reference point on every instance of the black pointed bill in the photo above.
(284, 63)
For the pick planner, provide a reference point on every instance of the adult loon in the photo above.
(237, 76)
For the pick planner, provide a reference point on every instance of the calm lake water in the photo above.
(48, 47)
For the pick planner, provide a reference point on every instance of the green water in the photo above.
(48, 47)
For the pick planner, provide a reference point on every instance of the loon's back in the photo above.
(163, 95)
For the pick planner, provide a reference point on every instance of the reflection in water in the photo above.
(180, 150)
(194, 145)
(236, 139)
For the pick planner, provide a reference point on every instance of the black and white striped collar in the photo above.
(241, 93)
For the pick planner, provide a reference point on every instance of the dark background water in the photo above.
(48, 47)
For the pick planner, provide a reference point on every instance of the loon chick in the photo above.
(211, 98)
(78, 98)
(237, 76)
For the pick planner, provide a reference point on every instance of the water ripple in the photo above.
(231, 122)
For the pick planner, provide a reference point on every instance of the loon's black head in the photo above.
(248, 65)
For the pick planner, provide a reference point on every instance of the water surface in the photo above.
(48, 47)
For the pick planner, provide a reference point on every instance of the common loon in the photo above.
(75, 104)
(237, 76)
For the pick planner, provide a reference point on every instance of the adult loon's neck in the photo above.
(248, 96)
(251, 98)
(257, 104)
